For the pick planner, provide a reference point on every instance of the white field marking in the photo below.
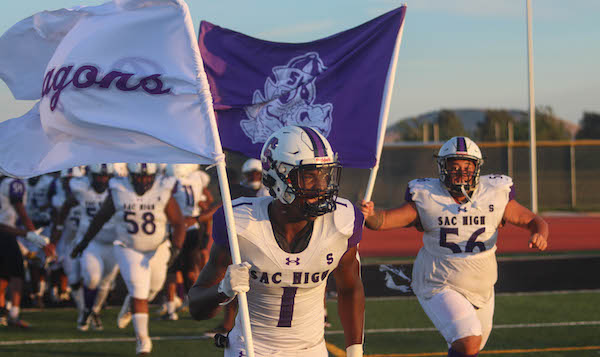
(334, 332)
(432, 329)
(88, 340)
(533, 293)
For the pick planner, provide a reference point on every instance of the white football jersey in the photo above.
(90, 202)
(141, 220)
(10, 188)
(71, 222)
(459, 240)
(38, 201)
(287, 290)
(190, 190)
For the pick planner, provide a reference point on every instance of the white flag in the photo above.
(119, 82)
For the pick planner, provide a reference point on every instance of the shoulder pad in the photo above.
(496, 181)
(168, 181)
(423, 184)
(118, 183)
(244, 211)
(201, 175)
(343, 216)
(78, 184)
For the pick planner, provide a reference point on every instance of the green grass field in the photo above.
(541, 324)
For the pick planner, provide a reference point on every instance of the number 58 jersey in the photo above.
(141, 220)
(286, 293)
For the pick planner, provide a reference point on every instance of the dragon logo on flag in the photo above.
(288, 99)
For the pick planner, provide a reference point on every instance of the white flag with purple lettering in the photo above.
(119, 82)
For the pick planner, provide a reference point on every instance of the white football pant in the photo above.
(455, 317)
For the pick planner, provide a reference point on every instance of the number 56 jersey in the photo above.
(286, 293)
(141, 220)
(459, 240)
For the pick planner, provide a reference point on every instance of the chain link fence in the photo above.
(568, 172)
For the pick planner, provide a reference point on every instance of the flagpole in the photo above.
(232, 234)
(234, 247)
(385, 109)
(532, 136)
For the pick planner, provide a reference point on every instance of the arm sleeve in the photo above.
(359, 220)
(220, 228)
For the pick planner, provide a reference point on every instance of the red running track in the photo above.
(567, 233)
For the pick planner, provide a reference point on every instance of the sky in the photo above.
(454, 55)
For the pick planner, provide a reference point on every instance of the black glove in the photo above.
(78, 249)
(174, 254)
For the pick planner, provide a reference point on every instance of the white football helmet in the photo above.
(77, 171)
(180, 170)
(99, 176)
(289, 157)
(142, 175)
(249, 167)
(459, 147)
(120, 169)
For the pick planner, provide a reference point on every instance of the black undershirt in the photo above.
(300, 241)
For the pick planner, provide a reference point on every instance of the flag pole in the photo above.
(232, 234)
(532, 136)
(234, 247)
(385, 109)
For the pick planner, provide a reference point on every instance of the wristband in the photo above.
(355, 350)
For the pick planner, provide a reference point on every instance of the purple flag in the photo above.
(334, 85)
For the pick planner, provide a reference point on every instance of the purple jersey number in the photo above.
(471, 243)
(287, 307)
(148, 225)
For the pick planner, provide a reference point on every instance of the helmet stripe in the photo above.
(318, 145)
(461, 145)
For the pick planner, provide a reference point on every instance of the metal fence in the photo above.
(568, 172)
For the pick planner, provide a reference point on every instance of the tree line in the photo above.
(495, 127)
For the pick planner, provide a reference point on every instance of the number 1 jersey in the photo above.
(287, 289)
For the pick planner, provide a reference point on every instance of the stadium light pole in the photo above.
(532, 139)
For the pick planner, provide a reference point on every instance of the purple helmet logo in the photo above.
(289, 99)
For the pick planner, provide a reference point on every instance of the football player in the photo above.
(289, 243)
(455, 271)
(252, 178)
(98, 264)
(143, 203)
(39, 209)
(12, 271)
(62, 236)
(194, 199)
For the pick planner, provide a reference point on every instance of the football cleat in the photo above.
(3, 316)
(124, 317)
(18, 323)
(143, 346)
(86, 321)
(96, 322)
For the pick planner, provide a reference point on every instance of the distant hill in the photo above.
(469, 117)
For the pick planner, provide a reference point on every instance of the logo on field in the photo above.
(288, 261)
(392, 272)
(288, 99)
